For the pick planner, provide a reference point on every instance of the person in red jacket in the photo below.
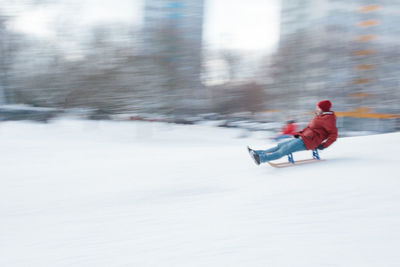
(320, 133)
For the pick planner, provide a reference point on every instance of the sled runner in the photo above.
(292, 162)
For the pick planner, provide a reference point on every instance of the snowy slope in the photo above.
(79, 193)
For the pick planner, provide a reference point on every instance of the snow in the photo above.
(95, 193)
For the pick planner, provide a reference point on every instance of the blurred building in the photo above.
(7, 50)
(173, 41)
(341, 50)
(3, 61)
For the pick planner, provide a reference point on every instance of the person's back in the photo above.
(321, 132)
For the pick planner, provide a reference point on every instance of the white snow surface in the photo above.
(93, 193)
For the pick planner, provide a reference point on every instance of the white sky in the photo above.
(242, 24)
(236, 24)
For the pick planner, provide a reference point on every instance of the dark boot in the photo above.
(254, 155)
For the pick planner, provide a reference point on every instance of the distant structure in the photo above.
(342, 50)
(173, 40)
(7, 93)
(2, 62)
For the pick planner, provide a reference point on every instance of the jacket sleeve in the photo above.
(300, 132)
(332, 134)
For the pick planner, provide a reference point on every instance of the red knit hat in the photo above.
(325, 105)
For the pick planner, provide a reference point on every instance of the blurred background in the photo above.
(243, 63)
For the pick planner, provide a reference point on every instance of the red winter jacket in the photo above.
(321, 130)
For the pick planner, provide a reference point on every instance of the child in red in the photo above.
(288, 130)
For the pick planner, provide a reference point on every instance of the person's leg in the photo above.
(283, 149)
(280, 137)
(272, 149)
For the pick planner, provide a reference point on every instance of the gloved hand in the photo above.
(296, 136)
(321, 147)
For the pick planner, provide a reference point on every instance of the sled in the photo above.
(291, 161)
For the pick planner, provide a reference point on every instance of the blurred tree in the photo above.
(103, 73)
(9, 47)
(232, 59)
(246, 97)
(253, 97)
(4, 61)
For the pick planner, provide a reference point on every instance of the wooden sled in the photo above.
(291, 161)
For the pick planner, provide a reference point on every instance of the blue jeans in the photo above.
(282, 149)
(283, 136)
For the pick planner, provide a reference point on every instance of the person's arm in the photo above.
(332, 135)
(297, 134)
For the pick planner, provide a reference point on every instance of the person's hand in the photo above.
(321, 147)
(296, 136)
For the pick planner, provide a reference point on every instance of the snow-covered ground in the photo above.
(80, 193)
